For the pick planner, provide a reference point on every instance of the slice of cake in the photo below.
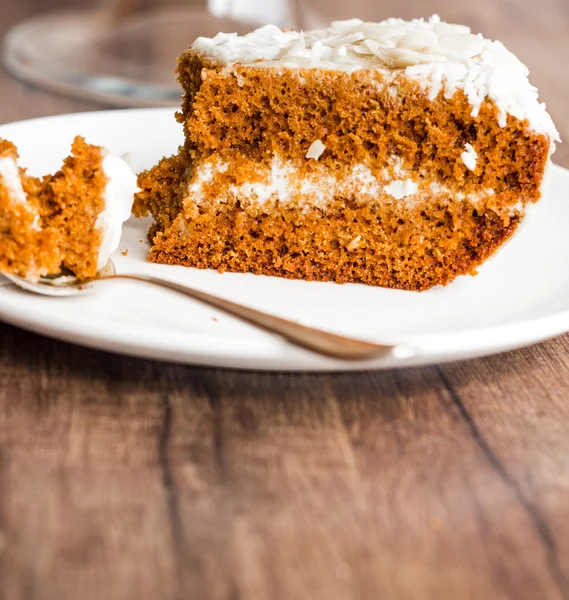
(398, 154)
(68, 221)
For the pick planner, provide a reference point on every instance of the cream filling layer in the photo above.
(281, 182)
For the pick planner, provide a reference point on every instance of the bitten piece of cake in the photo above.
(71, 220)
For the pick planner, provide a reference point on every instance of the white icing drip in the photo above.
(441, 56)
(10, 175)
(469, 157)
(119, 196)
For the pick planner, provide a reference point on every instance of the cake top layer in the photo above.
(441, 56)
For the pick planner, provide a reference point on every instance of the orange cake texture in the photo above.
(24, 247)
(68, 221)
(397, 154)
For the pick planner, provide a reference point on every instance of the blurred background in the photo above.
(122, 52)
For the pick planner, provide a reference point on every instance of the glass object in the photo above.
(123, 53)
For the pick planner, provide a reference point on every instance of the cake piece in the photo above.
(68, 221)
(24, 247)
(398, 154)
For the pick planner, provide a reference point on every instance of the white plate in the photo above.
(520, 297)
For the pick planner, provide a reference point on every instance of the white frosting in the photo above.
(276, 186)
(444, 58)
(119, 196)
(10, 175)
(401, 188)
(469, 157)
(473, 197)
(280, 183)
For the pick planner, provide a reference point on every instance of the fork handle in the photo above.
(316, 340)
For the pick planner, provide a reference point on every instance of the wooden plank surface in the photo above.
(122, 478)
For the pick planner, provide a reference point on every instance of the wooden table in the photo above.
(129, 479)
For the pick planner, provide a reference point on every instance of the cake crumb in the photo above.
(124, 252)
(316, 150)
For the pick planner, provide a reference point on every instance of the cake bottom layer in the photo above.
(397, 245)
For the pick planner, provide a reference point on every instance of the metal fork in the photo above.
(316, 340)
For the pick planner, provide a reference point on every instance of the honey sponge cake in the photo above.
(398, 154)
